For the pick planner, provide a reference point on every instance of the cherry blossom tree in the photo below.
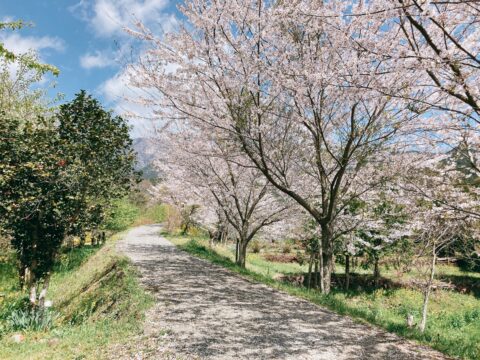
(290, 90)
(212, 174)
(435, 227)
(444, 38)
(435, 45)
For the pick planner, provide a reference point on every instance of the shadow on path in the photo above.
(215, 314)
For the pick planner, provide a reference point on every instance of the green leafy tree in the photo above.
(20, 98)
(28, 60)
(34, 198)
(99, 147)
(58, 177)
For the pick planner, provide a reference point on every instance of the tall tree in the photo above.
(50, 184)
(34, 198)
(291, 91)
(217, 175)
(98, 145)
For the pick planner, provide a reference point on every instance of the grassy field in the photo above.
(96, 300)
(454, 319)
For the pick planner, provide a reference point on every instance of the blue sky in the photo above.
(86, 40)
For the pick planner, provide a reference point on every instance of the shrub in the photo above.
(4, 244)
(158, 213)
(470, 263)
(280, 258)
(255, 246)
(173, 219)
(123, 215)
(286, 248)
(301, 258)
(31, 319)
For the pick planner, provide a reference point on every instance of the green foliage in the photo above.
(58, 177)
(255, 246)
(122, 215)
(101, 152)
(97, 301)
(72, 259)
(34, 199)
(470, 263)
(30, 62)
(19, 97)
(8, 273)
(286, 247)
(31, 319)
(157, 213)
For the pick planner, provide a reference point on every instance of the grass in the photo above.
(153, 214)
(454, 319)
(97, 300)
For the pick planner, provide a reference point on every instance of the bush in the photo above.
(31, 319)
(4, 244)
(157, 213)
(123, 215)
(255, 246)
(280, 258)
(286, 248)
(173, 219)
(471, 263)
(301, 258)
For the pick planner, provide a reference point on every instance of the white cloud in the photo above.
(110, 17)
(115, 88)
(96, 60)
(127, 102)
(39, 45)
(22, 44)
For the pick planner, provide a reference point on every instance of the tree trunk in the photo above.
(32, 284)
(376, 272)
(242, 253)
(31, 281)
(326, 259)
(82, 241)
(236, 251)
(33, 294)
(310, 264)
(22, 276)
(316, 274)
(347, 272)
(43, 292)
(428, 289)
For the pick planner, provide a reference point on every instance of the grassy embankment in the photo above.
(97, 300)
(454, 318)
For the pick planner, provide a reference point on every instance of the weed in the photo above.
(31, 319)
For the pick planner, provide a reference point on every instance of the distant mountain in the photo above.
(148, 150)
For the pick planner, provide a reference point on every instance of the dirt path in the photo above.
(206, 312)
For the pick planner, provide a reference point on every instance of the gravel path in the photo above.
(206, 312)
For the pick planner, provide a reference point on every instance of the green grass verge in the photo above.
(454, 319)
(98, 301)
